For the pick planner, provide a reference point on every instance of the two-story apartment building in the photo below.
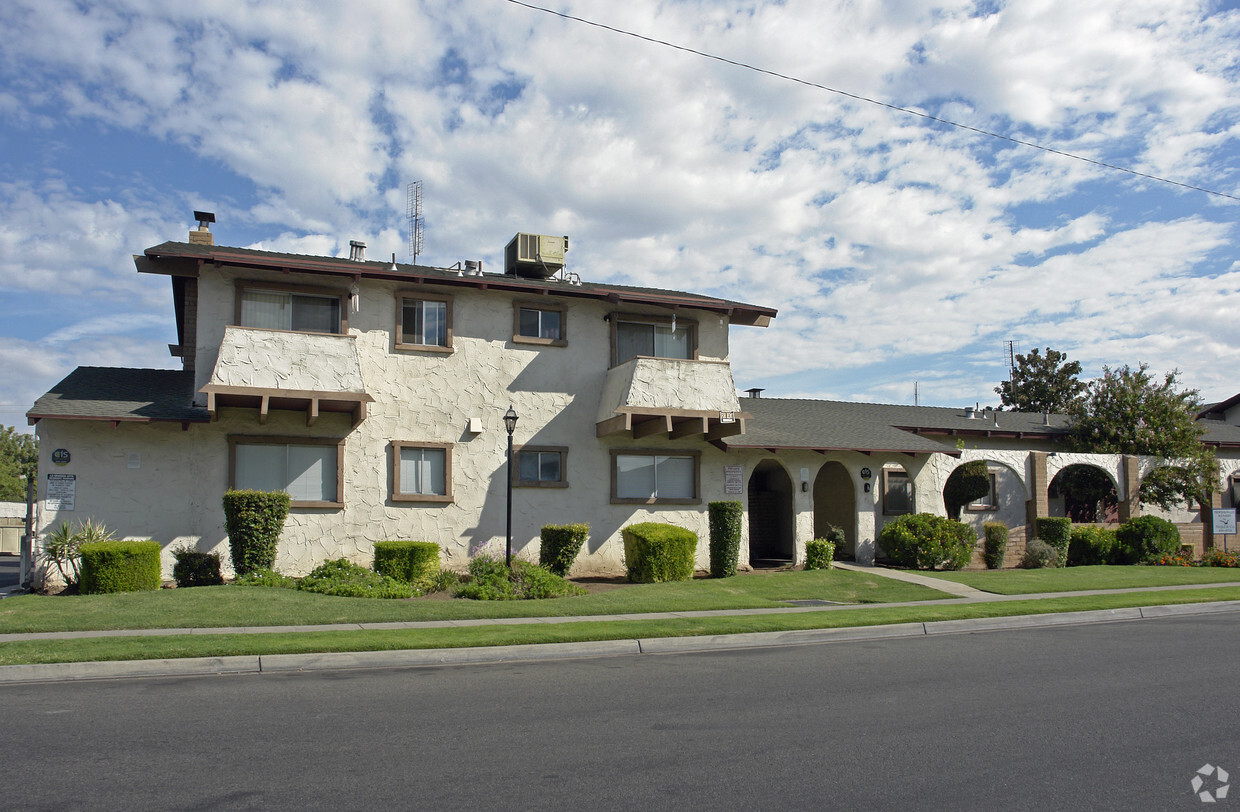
(374, 393)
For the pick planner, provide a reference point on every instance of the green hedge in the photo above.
(194, 568)
(926, 542)
(725, 537)
(1091, 545)
(410, 562)
(559, 544)
(254, 521)
(1143, 539)
(654, 552)
(120, 566)
(995, 544)
(819, 554)
(1057, 532)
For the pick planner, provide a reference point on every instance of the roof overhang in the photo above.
(265, 400)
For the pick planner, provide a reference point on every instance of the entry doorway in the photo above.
(835, 505)
(771, 524)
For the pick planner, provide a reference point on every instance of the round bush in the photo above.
(1090, 546)
(819, 554)
(1039, 554)
(194, 568)
(926, 542)
(410, 562)
(1143, 539)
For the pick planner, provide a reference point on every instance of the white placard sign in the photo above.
(1225, 521)
(733, 480)
(61, 489)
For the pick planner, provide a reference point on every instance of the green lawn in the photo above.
(1079, 579)
(232, 606)
(159, 647)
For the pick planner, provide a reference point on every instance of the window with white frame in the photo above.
(540, 467)
(897, 492)
(287, 310)
(654, 339)
(424, 321)
(421, 472)
(308, 470)
(650, 477)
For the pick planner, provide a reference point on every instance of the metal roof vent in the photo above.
(755, 392)
(970, 412)
(357, 251)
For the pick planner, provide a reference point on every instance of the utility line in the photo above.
(867, 100)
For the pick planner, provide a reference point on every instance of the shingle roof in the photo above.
(831, 424)
(118, 393)
(740, 312)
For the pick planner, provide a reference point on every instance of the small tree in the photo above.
(1127, 412)
(19, 457)
(968, 482)
(1041, 383)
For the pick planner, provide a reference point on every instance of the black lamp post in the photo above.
(510, 424)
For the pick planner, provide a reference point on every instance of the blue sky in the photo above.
(896, 249)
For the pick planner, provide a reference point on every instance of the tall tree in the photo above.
(19, 456)
(1127, 411)
(1041, 383)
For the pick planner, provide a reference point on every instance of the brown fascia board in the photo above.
(174, 260)
(1011, 434)
(951, 452)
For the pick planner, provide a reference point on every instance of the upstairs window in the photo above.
(539, 324)
(424, 322)
(654, 339)
(288, 310)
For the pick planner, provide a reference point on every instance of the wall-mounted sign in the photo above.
(727, 417)
(61, 456)
(133, 459)
(61, 490)
(733, 480)
(1225, 521)
(865, 473)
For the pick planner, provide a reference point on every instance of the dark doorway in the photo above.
(835, 505)
(1088, 494)
(770, 516)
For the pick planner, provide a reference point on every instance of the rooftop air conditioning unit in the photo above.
(535, 255)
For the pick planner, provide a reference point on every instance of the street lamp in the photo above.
(510, 424)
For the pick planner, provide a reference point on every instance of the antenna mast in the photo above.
(413, 211)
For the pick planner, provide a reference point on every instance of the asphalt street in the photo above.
(1105, 716)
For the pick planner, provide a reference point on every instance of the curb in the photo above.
(413, 658)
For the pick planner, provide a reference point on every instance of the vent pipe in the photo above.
(357, 251)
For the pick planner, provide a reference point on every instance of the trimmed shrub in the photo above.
(490, 579)
(344, 579)
(1090, 545)
(926, 542)
(968, 482)
(1038, 555)
(1057, 532)
(194, 568)
(654, 552)
(1143, 539)
(410, 562)
(559, 544)
(994, 545)
(254, 521)
(1218, 557)
(725, 537)
(120, 566)
(819, 554)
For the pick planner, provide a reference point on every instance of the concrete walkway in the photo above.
(380, 659)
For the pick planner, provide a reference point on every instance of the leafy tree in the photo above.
(968, 482)
(1041, 383)
(19, 456)
(1127, 411)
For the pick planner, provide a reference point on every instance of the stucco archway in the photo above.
(1084, 493)
(835, 504)
(771, 521)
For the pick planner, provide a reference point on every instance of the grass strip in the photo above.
(1079, 579)
(230, 606)
(176, 646)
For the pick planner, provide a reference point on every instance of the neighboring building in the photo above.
(375, 393)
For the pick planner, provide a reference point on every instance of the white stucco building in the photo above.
(374, 393)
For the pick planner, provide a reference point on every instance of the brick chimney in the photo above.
(202, 235)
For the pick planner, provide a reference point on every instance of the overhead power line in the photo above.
(868, 100)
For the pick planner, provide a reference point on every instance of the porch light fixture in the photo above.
(510, 425)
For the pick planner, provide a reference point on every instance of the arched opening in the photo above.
(770, 516)
(1084, 494)
(835, 505)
